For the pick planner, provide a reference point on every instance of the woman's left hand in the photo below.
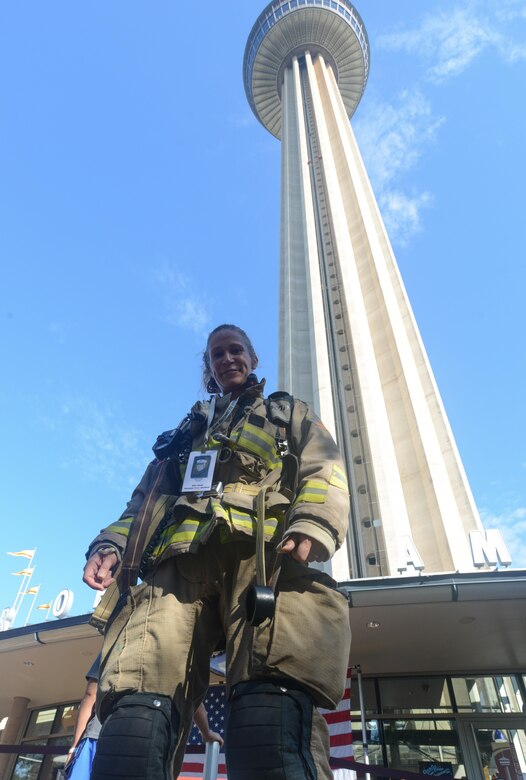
(303, 548)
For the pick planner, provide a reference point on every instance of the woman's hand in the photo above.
(303, 548)
(201, 721)
(98, 570)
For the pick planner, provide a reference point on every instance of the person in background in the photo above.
(87, 729)
(276, 476)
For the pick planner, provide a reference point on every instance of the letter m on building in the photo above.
(488, 548)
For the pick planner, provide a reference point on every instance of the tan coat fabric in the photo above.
(161, 636)
(319, 463)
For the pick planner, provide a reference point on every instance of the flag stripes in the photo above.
(338, 722)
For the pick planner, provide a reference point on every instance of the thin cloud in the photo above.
(182, 306)
(392, 138)
(101, 446)
(452, 40)
(512, 525)
(401, 213)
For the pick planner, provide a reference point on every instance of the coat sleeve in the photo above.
(116, 534)
(320, 508)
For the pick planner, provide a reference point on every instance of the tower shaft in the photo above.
(349, 343)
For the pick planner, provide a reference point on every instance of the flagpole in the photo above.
(20, 595)
(35, 594)
(47, 607)
(358, 669)
(25, 580)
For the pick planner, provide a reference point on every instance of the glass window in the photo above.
(48, 726)
(487, 694)
(41, 722)
(65, 720)
(425, 746)
(27, 767)
(502, 752)
(369, 695)
(415, 696)
(374, 747)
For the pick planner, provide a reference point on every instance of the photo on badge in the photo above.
(199, 471)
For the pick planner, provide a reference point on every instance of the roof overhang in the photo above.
(451, 623)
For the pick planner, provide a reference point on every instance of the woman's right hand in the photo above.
(98, 570)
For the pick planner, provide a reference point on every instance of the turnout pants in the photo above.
(160, 638)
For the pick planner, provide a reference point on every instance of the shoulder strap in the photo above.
(142, 530)
(279, 408)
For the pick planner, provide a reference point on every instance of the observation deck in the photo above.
(289, 28)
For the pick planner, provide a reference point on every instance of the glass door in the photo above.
(498, 748)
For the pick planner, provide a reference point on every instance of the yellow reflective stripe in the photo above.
(189, 529)
(338, 478)
(121, 527)
(313, 491)
(219, 509)
(244, 521)
(255, 440)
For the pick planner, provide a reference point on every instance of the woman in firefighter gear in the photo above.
(273, 478)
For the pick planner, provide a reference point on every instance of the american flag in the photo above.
(338, 721)
(194, 758)
(340, 731)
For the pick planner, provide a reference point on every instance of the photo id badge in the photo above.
(199, 471)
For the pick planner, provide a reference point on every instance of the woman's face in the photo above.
(230, 361)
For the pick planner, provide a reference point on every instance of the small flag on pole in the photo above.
(32, 591)
(23, 553)
(23, 573)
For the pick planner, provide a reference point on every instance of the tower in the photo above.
(348, 340)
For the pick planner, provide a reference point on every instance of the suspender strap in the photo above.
(142, 530)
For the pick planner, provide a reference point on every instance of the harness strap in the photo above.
(140, 535)
(261, 577)
(140, 529)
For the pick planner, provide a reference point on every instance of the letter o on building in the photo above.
(63, 604)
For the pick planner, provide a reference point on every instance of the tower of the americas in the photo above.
(348, 340)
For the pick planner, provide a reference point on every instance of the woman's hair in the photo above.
(208, 380)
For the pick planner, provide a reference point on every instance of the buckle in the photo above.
(215, 492)
(283, 447)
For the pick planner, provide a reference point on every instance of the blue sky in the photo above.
(139, 207)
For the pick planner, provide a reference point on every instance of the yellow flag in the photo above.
(44, 606)
(33, 591)
(23, 573)
(23, 553)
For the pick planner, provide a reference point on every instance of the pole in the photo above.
(37, 589)
(362, 716)
(211, 761)
(26, 579)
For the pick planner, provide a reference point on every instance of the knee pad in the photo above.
(268, 733)
(137, 739)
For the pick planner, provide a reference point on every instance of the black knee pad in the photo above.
(268, 733)
(137, 739)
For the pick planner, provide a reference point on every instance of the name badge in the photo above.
(199, 471)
